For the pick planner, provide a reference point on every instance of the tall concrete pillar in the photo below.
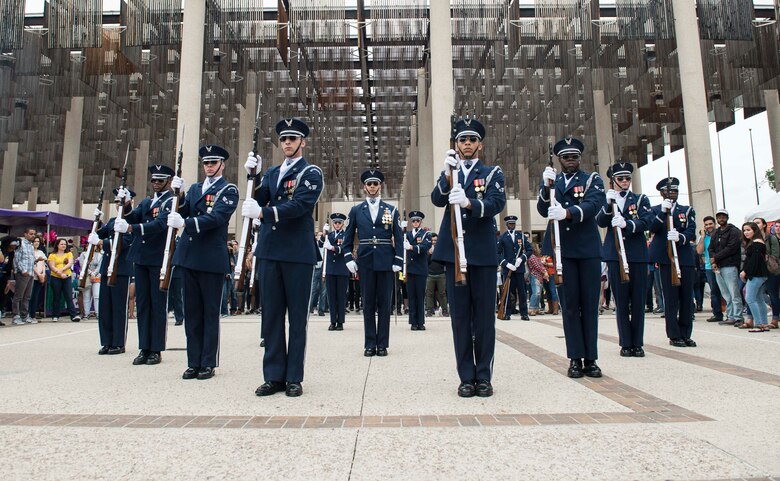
(701, 176)
(525, 198)
(604, 142)
(246, 128)
(426, 166)
(8, 183)
(190, 86)
(773, 119)
(70, 157)
(141, 172)
(32, 199)
(412, 184)
(636, 180)
(78, 204)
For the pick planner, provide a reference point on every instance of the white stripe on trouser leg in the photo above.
(219, 323)
(127, 305)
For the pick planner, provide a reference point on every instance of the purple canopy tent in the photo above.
(12, 222)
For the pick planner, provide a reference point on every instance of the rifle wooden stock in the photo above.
(620, 247)
(671, 250)
(170, 247)
(504, 295)
(255, 235)
(555, 241)
(456, 230)
(239, 273)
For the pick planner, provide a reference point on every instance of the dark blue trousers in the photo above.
(678, 302)
(376, 288)
(112, 320)
(152, 308)
(175, 296)
(516, 286)
(630, 302)
(473, 313)
(579, 296)
(337, 297)
(415, 289)
(202, 300)
(286, 289)
(717, 309)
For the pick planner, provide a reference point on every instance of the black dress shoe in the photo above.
(677, 342)
(178, 323)
(190, 373)
(381, 351)
(421, 327)
(103, 350)
(626, 352)
(484, 388)
(294, 389)
(116, 350)
(206, 373)
(525, 318)
(332, 327)
(414, 327)
(639, 352)
(262, 342)
(154, 358)
(369, 352)
(575, 368)
(591, 369)
(141, 358)
(689, 342)
(340, 326)
(269, 387)
(506, 318)
(467, 389)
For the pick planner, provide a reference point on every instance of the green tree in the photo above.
(770, 177)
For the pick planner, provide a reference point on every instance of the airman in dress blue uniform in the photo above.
(112, 320)
(678, 300)
(579, 196)
(479, 191)
(514, 250)
(287, 252)
(336, 272)
(377, 226)
(633, 217)
(202, 256)
(416, 245)
(149, 223)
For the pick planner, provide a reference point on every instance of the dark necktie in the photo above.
(467, 164)
(624, 193)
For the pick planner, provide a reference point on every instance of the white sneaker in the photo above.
(31, 320)
(55, 319)
(18, 321)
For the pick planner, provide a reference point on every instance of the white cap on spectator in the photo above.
(722, 211)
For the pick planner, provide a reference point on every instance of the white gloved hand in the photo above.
(407, 245)
(556, 212)
(326, 228)
(175, 220)
(450, 162)
(93, 239)
(121, 225)
(397, 268)
(666, 205)
(177, 183)
(619, 221)
(257, 222)
(404, 224)
(98, 214)
(518, 261)
(327, 245)
(612, 195)
(548, 176)
(352, 266)
(253, 164)
(251, 209)
(673, 235)
(123, 195)
(458, 196)
(511, 266)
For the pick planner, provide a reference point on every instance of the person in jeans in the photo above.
(24, 262)
(754, 273)
(773, 281)
(724, 250)
(702, 248)
(61, 264)
(39, 283)
(539, 275)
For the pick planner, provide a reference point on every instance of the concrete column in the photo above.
(525, 198)
(773, 119)
(190, 86)
(412, 184)
(604, 143)
(246, 129)
(426, 166)
(78, 204)
(278, 155)
(141, 166)
(8, 183)
(441, 93)
(636, 180)
(701, 176)
(32, 199)
(71, 149)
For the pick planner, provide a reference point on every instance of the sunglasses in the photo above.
(468, 138)
(291, 138)
(416, 220)
(337, 222)
(162, 181)
(211, 162)
(372, 183)
(571, 157)
(622, 178)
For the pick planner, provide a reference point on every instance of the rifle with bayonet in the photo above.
(116, 246)
(555, 227)
(91, 248)
(671, 246)
(245, 246)
(617, 232)
(170, 237)
(456, 226)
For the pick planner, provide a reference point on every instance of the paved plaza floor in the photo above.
(705, 413)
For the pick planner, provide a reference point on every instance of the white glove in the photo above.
(511, 266)
(458, 196)
(407, 245)
(326, 228)
(397, 268)
(450, 162)
(327, 245)
(121, 225)
(352, 266)
(673, 235)
(404, 224)
(666, 205)
(98, 214)
(612, 195)
(122, 195)
(619, 221)
(253, 164)
(257, 222)
(556, 212)
(251, 209)
(93, 239)
(548, 176)
(177, 183)
(518, 261)
(175, 220)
